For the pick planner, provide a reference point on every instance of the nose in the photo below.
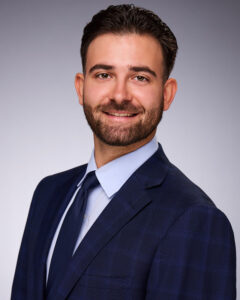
(120, 91)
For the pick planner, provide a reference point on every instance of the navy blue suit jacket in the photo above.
(160, 238)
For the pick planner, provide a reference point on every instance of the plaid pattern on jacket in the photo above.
(159, 238)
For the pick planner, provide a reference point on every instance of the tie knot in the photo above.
(90, 181)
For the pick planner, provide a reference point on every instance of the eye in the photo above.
(103, 75)
(141, 78)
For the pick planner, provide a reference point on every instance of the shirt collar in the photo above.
(114, 174)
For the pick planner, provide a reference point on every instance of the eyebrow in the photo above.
(131, 68)
(142, 69)
(101, 66)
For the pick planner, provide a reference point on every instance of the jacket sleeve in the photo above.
(19, 286)
(196, 259)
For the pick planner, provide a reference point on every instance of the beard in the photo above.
(126, 134)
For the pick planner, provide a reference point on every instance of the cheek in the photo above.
(149, 98)
(94, 94)
(91, 96)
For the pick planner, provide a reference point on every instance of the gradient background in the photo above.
(43, 129)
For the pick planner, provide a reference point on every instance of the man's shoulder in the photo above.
(184, 189)
(67, 173)
(63, 177)
(171, 185)
(179, 198)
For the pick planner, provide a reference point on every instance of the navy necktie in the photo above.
(69, 231)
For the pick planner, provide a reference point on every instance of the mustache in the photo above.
(123, 106)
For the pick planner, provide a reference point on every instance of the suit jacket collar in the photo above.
(154, 170)
(131, 198)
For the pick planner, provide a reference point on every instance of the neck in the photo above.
(105, 153)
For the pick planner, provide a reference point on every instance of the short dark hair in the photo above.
(127, 18)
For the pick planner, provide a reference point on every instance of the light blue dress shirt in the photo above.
(111, 177)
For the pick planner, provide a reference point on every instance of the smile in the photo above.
(116, 114)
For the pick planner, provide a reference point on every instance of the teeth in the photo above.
(121, 115)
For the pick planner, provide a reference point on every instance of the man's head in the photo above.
(127, 18)
(127, 59)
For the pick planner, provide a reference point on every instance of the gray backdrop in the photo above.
(43, 129)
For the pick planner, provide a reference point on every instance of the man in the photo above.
(148, 231)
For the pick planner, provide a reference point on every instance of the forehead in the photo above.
(122, 50)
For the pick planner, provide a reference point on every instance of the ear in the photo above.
(169, 91)
(79, 83)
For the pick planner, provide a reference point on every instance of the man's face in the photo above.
(122, 90)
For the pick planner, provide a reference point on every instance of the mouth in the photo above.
(121, 114)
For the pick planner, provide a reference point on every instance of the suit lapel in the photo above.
(131, 198)
(56, 207)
